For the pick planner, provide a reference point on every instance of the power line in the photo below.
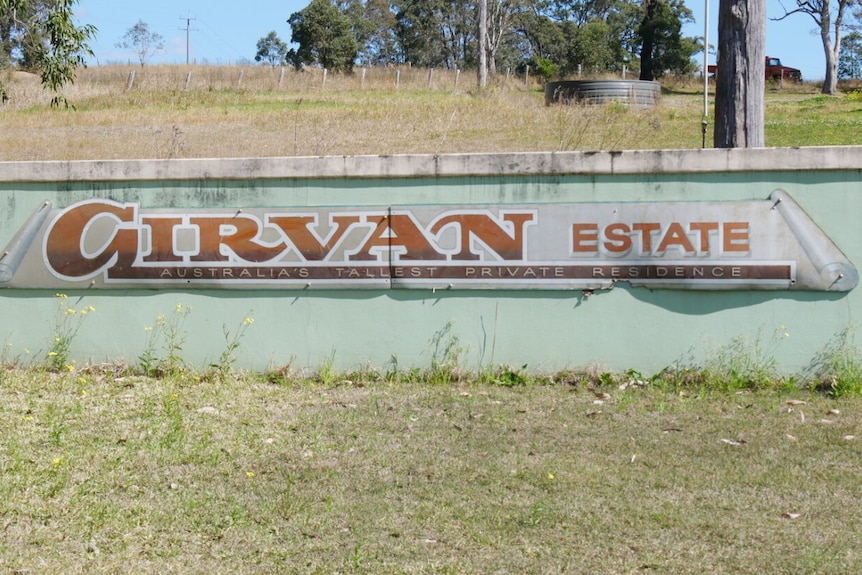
(188, 30)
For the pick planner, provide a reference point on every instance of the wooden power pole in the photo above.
(740, 76)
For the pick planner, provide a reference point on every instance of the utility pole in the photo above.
(483, 42)
(188, 30)
(740, 78)
(704, 123)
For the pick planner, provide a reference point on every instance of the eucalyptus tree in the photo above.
(831, 17)
(437, 33)
(19, 37)
(142, 40)
(850, 61)
(271, 50)
(590, 35)
(380, 45)
(44, 36)
(663, 47)
(503, 19)
(325, 37)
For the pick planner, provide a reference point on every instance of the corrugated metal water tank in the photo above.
(640, 93)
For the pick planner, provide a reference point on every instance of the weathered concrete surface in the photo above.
(621, 328)
(449, 165)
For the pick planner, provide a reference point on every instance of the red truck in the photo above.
(774, 71)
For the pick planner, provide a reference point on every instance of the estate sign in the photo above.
(100, 243)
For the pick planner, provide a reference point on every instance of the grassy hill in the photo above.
(179, 111)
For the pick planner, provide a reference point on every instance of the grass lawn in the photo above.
(108, 473)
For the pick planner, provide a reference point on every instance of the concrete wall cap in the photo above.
(445, 165)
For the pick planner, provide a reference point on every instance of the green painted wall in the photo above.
(623, 328)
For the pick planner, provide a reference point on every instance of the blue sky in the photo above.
(224, 32)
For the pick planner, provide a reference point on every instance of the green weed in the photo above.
(166, 335)
(509, 377)
(837, 368)
(326, 373)
(227, 359)
(67, 324)
(745, 363)
(446, 351)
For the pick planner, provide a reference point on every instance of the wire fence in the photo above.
(24, 89)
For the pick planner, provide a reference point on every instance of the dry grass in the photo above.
(105, 474)
(255, 111)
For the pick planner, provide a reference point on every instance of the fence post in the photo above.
(324, 78)
(188, 80)
(362, 84)
(457, 76)
(281, 77)
(430, 75)
(397, 78)
(527, 76)
(239, 80)
(131, 81)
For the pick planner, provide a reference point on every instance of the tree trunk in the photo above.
(830, 81)
(647, 31)
(740, 81)
(483, 43)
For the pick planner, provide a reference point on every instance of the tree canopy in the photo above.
(831, 18)
(850, 61)
(43, 36)
(562, 37)
(325, 36)
(271, 50)
(142, 40)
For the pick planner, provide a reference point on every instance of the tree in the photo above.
(45, 36)
(663, 47)
(325, 37)
(503, 16)
(600, 36)
(142, 40)
(740, 81)
(647, 31)
(438, 33)
(829, 16)
(271, 50)
(380, 45)
(483, 43)
(850, 61)
(19, 40)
